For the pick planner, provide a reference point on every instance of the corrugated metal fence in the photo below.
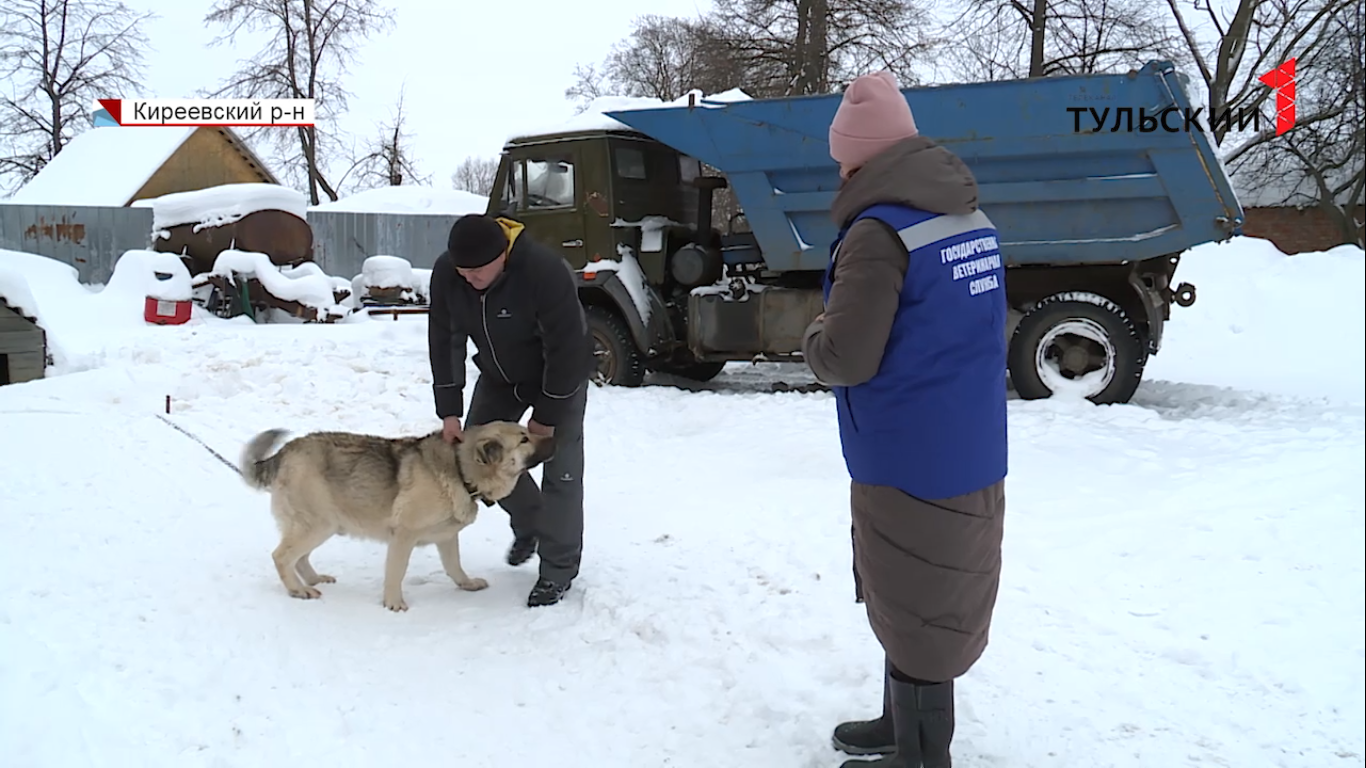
(92, 238)
(342, 241)
(88, 238)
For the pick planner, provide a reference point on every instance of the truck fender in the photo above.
(651, 334)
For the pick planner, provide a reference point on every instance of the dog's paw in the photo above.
(473, 585)
(307, 593)
(322, 578)
(395, 604)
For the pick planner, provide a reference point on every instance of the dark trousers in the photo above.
(554, 512)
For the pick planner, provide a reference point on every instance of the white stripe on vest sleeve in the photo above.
(940, 227)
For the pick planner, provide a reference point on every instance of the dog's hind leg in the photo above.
(395, 568)
(450, 560)
(295, 546)
(311, 577)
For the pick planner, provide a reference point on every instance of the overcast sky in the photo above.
(474, 71)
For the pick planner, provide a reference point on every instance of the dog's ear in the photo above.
(490, 452)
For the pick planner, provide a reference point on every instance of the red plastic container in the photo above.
(164, 312)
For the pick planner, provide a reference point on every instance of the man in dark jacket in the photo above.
(913, 343)
(517, 300)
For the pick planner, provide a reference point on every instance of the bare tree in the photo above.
(663, 58)
(1256, 37)
(799, 47)
(311, 44)
(1043, 38)
(57, 57)
(1319, 162)
(386, 159)
(589, 83)
(476, 174)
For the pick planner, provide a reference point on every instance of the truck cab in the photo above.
(623, 210)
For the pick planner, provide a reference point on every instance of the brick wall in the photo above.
(1294, 230)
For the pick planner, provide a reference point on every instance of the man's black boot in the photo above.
(546, 592)
(935, 703)
(869, 737)
(523, 547)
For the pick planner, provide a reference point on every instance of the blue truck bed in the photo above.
(1057, 196)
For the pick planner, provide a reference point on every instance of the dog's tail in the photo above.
(258, 470)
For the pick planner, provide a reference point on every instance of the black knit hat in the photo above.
(475, 240)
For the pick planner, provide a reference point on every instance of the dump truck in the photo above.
(1092, 216)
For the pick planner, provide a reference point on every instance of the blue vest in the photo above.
(932, 420)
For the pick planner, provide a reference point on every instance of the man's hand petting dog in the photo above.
(451, 430)
(539, 429)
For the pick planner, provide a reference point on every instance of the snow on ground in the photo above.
(125, 156)
(81, 322)
(223, 204)
(1183, 578)
(409, 199)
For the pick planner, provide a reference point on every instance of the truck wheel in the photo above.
(1078, 341)
(694, 371)
(619, 362)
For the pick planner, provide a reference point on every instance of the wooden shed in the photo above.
(121, 165)
(23, 347)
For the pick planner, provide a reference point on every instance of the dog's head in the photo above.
(507, 449)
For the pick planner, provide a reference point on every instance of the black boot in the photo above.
(547, 592)
(935, 703)
(523, 547)
(922, 717)
(869, 737)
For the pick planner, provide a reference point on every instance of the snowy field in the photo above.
(1183, 581)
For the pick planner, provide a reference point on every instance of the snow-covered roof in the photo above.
(106, 166)
(25, 275)
(410, 198)
(103, 166)
(594, 117)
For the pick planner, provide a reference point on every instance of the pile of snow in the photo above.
(409, 199)
(51, 292)
(594, 117)
(220, 205)
(150, 274)
(390, 272)
(102, 166)
(1252, 304)
(306, 284)
(14, 287)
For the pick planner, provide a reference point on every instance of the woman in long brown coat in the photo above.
(913, 343)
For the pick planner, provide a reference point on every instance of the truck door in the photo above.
(546, 193)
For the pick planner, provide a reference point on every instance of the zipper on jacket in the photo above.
(484, 315)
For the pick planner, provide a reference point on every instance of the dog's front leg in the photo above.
(450, 560)
(395, 568)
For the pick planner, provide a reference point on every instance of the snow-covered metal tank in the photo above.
(257, 218)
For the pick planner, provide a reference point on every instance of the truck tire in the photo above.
(1072, 335)
(619, 362)
(702, 372)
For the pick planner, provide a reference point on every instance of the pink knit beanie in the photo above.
(872, 116)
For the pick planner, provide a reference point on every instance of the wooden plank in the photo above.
(28, 366)
(23, 341)
(9, 319)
